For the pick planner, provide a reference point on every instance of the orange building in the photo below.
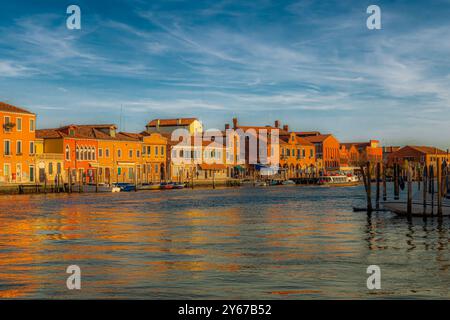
(349, 155)
(154, 157)
(17, 144)
(297, 156)
(327, 149)
(420, 155)
(79, 147)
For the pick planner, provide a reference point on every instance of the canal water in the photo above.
(281, 242)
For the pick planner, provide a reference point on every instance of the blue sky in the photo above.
(311, 64)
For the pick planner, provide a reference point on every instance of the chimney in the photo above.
(178, 121)
(235, 123)
(286, 128)
(227, 126)
(277, 123)
(157, 125)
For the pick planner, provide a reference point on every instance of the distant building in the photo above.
(193, 125)
(17, 144)
(388, 150)
(353, 154)
(327, 150)
(297, 156)
(421, 155)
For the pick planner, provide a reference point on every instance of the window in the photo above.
(100, 152)
(50, 168)
(19, 147)
(19, 124)
(156, 168)
(68, 153)
(58, 168)
(130, 173)
(85, 153)
(31, 125)
(89, 153)
(6, 124)
(138, 153)
(119, 153)
(32, 151)
(78, 153)
(162, 151)
(7, 147)
(156, 151)
(107, 153)
(130, 153)
(149, 150)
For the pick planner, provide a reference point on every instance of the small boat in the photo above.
(166, 185)
(149, 186)
(101, 187)
(178, 186)
(288, 182)
(339, 180)
(262, 184)
(125, 187)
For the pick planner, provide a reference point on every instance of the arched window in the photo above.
(85, 153)
(89, 153)
(67, 153)
(93, 153)
(78, 153)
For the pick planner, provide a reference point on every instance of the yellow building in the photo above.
(167, 126)
(50, 166)
(119, 154)
(154, 157)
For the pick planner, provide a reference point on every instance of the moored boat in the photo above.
(287, 182)
(339, 180)
(125, 187)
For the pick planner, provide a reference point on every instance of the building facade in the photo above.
(17, 144)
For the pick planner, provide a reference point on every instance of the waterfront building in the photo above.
(418, 155)
(17, 144)
(297, 156)
(253, 138)
(49, 166)
(387, 150)
(326, 148)
(355, 154)
(154, 157)
(79, 147)
(167, 126)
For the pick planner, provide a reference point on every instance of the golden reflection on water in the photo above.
(228, 243)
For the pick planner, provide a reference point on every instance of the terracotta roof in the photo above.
(307, 133)
(85, 132)
(299, 140)
(428, 150)
(10, 108)
(171, 122)
(317, 139)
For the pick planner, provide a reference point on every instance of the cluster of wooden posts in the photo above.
(432, 180)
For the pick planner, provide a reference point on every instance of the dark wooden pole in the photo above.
(432, 188)
(425, 177)
(439, 185)
(378, 175)
(384, 183)
(396, 186)
(409, 179)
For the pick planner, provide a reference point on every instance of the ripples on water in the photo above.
(244, 243)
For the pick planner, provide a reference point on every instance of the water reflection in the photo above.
(226, 243)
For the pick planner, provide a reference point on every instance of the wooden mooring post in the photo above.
(409, 184)
(425, 191)
(384, 183)
(378, 177)
(439, 186)
(431, 188)
(396, 181)
(367, 185)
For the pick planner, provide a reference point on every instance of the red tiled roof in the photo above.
(317, 139)
(171, 122)
(85, 132)
(10, 108)
(428, 150)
